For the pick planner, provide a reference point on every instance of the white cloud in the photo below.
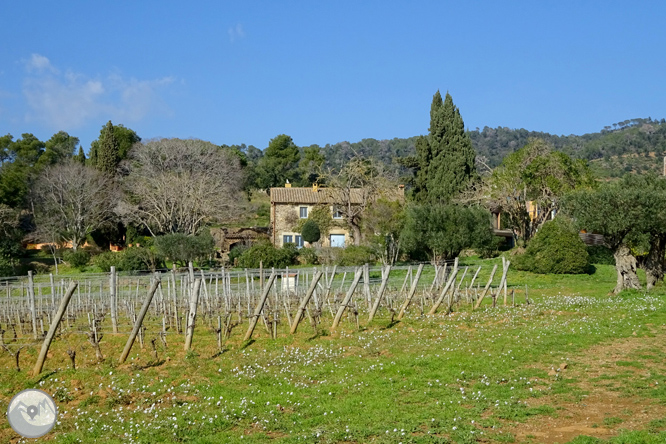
(71, 100)
(236, 32)
(38, 62)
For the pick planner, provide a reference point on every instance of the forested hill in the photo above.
(636, 145)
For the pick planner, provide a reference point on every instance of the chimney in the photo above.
(315, 188)
(287, 185)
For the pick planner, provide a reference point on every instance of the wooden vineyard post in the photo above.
(192, 314)
(471, 284)
(52, 329)
(412, 291)
(348, 296)
(33, 310)
(114, 300)
(382, 288)
(456, 289)
(175, 297)
(450, 282)
(485, 290)
(260, 306)
(139, 320)
(502, 286)
(366, 283)
(304, 302)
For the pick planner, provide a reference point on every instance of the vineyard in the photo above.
(214, 358)
(152, 308)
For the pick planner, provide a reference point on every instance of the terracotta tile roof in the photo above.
(306, 195)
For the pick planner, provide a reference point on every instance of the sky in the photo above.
(325, 72)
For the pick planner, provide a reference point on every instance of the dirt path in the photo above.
(608, 373)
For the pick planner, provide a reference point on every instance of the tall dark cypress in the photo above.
(107, 155)
(81, 156)
(451, 168)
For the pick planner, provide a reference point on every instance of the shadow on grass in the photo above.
(150, 364)
(43, 377)
(319, 334)
(247, 343)
(391, 324)
(220, 352)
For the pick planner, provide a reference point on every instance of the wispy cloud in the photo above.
(71, 100)
(236, 32)
(39, 63)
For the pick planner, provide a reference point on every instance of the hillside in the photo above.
(634, 145)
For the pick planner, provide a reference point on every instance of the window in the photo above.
(287, 239)
(337, 240)
(303, 212)
(337, 214)
(299, 241)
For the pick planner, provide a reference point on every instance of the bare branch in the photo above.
(175, 186)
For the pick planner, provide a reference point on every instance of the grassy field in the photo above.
(576, 365)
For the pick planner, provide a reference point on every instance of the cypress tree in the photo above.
(446, 158)
(107, 154)
(423, 159)
(81, 156)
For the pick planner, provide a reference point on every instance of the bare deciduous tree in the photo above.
(70, 201)
(175, 185)
(358, 183)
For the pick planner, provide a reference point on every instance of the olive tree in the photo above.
(533, 175)
(614, 210)
(443, 231)
(177, 186)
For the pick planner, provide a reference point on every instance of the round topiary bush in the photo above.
(557, 249)
(310, 231)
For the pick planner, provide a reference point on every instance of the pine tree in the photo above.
(81, 156)
(451, 164)
(107, 154)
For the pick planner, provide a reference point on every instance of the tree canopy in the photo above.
(443, 231)
(444, 164)
(177, 186)
(279, 163)
(533, 176)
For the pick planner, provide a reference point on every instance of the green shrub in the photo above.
(310, 231)
(308, 256)
(355, 255)
(601, 255)
(130, 259)
(38, 267)
(556, 248)
(6, 267)
(139, 258)
(236, 251)
(107, 260)
(268, 255)
(77, 259)
(181, 248)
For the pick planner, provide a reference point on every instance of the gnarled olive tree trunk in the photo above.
(654, 262)
(625, 265)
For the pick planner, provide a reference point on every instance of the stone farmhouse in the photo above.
(289, 204)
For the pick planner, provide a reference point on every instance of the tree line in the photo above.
(165, 194)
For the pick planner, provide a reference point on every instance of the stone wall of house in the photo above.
(286, 218)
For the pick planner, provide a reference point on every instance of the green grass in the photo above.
(464, 378)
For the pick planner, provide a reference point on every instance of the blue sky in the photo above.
(325, 72)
